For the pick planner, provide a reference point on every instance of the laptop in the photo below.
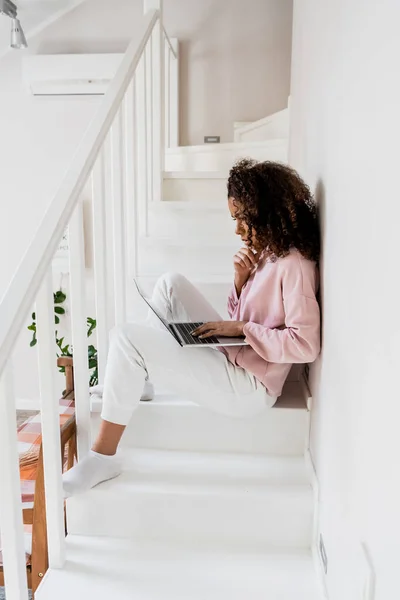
(182, 332)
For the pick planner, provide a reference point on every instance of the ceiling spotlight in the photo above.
(18, 39)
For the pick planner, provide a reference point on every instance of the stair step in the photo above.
(209, 157)
(199, 259)
(106, 568)
(159, 496)
(195, 186)
(198, 175)
(173, 423)
(186, 221)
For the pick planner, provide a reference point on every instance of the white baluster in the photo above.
(142, 145)
(119, 242)
(149, 116)
(79, 329)
(50, 423)
(167, 77)
(99, 257)
(132, 230)
(174, 96)
(11, 525)
(158, 110)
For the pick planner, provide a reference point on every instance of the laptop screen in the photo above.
(150, 305)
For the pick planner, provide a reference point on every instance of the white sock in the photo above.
(90, 471)
(148, 391)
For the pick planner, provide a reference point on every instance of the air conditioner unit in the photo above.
(69, 74)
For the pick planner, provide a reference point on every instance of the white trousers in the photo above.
(202, 375)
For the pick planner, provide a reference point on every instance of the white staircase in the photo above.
(208, 507)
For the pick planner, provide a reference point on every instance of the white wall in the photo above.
(235, 55)
(38, 137)
(345, 100)
(235, 62)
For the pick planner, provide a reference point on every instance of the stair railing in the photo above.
(125, 142)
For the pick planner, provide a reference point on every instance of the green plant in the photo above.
(66, 349)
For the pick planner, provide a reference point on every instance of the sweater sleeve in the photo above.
(299, 340)
(233, 301)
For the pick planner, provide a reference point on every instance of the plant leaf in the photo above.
(56, 320)
(59, 297)
(33, 342)
(32, 327)
(33, 316)
(92, 363)
(59, 310)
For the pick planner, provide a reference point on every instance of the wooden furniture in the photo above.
(35, 516)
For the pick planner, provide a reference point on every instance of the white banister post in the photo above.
(141, 144)
(99, 260)
(50, 423)
(167, 78)
(119, 241)
(131, 227)
(158, 99)
(174, 96)
(148, 74)
(11, 524)
(79, 329)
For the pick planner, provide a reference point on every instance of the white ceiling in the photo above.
(33, 14)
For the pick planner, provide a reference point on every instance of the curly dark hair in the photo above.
(277, 206)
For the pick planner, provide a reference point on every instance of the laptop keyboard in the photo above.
(185, 330)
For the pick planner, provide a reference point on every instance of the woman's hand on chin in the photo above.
(220, 329)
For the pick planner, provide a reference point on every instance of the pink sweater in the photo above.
(283, 328)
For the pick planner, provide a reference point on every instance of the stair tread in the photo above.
(226, 146)
(105, 568)
(232, 245)
(190, 206)
(187, 472)
(293, 397)
(201, 473)
(195, 174)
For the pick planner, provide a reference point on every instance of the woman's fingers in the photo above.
(244, 260)
(240, 262)
(253, 258)
(208, 334)
(205, 328)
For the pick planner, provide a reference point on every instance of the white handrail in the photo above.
(175, 55)
(23, 289)
(171, 47)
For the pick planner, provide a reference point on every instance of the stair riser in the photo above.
(200, 225)
(281, 518)
(201, 261)
(280, 432)
(197, 190)
(204, 160)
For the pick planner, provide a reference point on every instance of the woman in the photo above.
(272, 304)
